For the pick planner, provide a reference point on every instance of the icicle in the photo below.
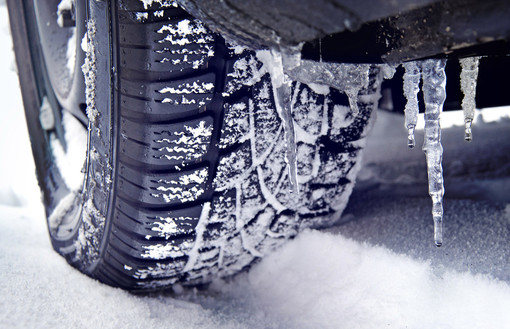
(358, 79)
(468, 133)
(411, 142)
(388, 70)
(284, 61)
(468, 77)
(411, 87)
(350, 78)
(434, 94)
(320, 50)
(352, 94)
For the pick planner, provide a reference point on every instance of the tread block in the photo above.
(267, 123)
(157, 58)
(309, 110)
(146, 249)
(148, 109)
(176, 144)
(242, 71)
(158, 189)
(192, 92)
(181, 33)
(147, 5)
(141, 269)
(233, 168)
(157, 224)
(236, 124)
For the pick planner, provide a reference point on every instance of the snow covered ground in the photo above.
(378, 268)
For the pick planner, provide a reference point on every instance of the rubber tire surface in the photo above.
(186, 178)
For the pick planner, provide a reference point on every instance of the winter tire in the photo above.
(183, 173)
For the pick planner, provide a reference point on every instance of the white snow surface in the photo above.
(379, 268)
(72, 162)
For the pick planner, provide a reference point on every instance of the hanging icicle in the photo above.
(412, 77)
(468, 77)
(357, 80)
(285, 60)
(434, 95)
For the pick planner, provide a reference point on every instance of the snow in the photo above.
(163, 3)
(190, 144)
(89, 71)
(64, 5)
(167, 227)
(141, 17)
(185, 32)
(72, 162)
(187, 88)
(377, 269)
(71, 51)
(15, 154)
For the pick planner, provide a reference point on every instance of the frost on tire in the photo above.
(255, 211)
